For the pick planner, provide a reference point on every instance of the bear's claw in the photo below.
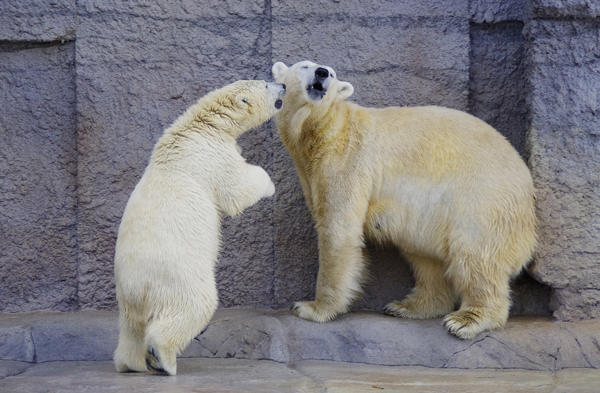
(467, 324)
(153, 362)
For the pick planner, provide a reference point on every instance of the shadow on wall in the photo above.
(391, 279)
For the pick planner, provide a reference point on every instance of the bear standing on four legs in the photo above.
(440, 184)
(170, 232)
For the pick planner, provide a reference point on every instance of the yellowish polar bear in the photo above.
(170, 232)
(443, 186)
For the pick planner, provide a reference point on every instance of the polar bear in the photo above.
(169, 235)
(442, 185)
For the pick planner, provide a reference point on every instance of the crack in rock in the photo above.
(466, 349)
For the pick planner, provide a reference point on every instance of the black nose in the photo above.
(321, 73)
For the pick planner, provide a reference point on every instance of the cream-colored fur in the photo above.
(169, 235)
(443, 186)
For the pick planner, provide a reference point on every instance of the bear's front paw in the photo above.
(309, 311)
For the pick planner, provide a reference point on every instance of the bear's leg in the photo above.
(433, 295)
(168, 336)
(485, 299)
(165, 337)
(131, 351)
(341, 273)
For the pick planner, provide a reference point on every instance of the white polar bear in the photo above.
(169, 236)
(443, 186)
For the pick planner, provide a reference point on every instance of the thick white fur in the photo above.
(169, 236)
(443, 186)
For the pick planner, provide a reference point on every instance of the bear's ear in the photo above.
(243, 100)
(345, 90)
(279, 70)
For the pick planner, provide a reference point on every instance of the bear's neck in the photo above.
(323, 133)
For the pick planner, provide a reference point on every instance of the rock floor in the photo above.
(243, 375)
(250, 350)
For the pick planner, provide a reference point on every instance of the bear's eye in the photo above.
(304, 67)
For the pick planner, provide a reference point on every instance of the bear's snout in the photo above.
(321, 73)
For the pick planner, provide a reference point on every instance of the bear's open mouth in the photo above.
(317, 86)
(316, 91)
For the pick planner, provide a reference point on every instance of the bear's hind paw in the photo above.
(153, 362)
(467, 324)
(396, 309)
(401, 310)
(415, 309)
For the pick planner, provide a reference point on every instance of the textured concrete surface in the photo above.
(554, 9)
(530, 343)
(139, 67)
(497, 92)
(38, 164)
(496, 11)
(87, 87)
(235, 375)
(37, 20)
(565, 161)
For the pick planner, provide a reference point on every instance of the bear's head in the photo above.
(243, 105)
(310, 83)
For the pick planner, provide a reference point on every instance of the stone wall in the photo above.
(564, 77)
(88, 86)
(38, 157)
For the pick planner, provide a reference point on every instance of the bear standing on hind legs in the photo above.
(442, 185)
(170, 232)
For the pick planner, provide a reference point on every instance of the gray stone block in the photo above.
(357, 8)
(366, 337)
(8, 368)
(38, 168)
(564, 142)
(495, 11)
(16, 342)
(586, 349)
(497, 80)
(564, 8)
(37, 20)
(84, 335)
(242, 333)
(531, 343)
(138, 69)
